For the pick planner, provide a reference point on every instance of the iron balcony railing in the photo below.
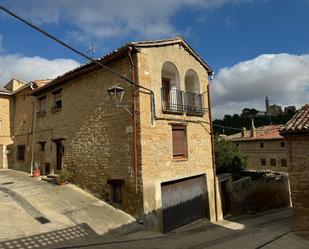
(172, 100)
(194, 104)
(176, 101)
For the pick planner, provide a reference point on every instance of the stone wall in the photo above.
(97, 137)
(299, 174)
(269, 192)
(21, 129)
(157, 161)
(5, 127)
(272, 150)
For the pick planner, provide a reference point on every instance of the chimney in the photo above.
(253, 129)
(243, 132)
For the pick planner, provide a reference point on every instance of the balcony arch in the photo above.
(193, 100)
(192, 83)
(172, 97)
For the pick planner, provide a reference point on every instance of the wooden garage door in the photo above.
(183, 201)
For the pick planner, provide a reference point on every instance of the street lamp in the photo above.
(116, 94)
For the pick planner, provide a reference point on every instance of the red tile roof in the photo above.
(299, 123)
(269, 132)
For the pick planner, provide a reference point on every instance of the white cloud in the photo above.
(282, 77)
(32, 68)
(107, 19)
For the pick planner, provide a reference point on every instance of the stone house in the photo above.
(151, 155)
(15, 122)
(296, 135)
(264, 146)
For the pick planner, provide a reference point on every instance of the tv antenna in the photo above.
(91, 50)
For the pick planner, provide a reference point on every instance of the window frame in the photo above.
(284, 164)
(263, 162)
(184, 155)
(282, 144)
(273, 160)
(42, 100)
(42, 146)
(261, 145)
(57, 100)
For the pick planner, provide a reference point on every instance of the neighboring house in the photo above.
(296, 134)
(264, 146)
(151, 156)
(15, 121)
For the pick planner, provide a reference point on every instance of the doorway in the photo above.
(59, 154)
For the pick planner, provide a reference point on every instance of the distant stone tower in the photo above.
(267, 105)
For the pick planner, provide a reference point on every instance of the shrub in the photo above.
(229, 159)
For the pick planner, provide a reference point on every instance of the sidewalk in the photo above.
(29, 207)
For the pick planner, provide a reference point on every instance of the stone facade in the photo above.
(157, 162)
(296, 134)
(266, 150)
(297, 150)
(5, 127)
(94, 140)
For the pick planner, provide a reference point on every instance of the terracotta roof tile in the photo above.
(268, 132)
(299, 122)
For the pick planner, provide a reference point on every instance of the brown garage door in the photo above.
(183, 201)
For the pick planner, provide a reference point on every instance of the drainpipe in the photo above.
(213, 151)
(132, 71)
(33, 129)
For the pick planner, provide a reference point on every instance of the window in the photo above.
(21, 152)
(42, 101)
(42, 146)
(282, 144)
(237, 145)
(57, 101)
(263, 162)
(284, 163)
(41, 108)
(179, 134)
(262, 145)
(273, 162)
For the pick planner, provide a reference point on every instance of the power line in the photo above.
(71, 48)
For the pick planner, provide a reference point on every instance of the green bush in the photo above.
(229, 159)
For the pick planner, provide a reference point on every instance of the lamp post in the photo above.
(116, 94)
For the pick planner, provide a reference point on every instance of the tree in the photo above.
(228, 158)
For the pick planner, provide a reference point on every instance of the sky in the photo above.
(257, 48)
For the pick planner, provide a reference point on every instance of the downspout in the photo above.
(33, 130)
(135, 159)
(213, 152)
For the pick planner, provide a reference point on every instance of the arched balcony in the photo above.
(192, 98)
(172, 96)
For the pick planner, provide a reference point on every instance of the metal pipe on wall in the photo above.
(135, 158)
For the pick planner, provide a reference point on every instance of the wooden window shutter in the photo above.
(179, 141)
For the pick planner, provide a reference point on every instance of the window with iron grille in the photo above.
(179, 135)
(263, 162)
(57, 99)
(21, 149)
(273, 162)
